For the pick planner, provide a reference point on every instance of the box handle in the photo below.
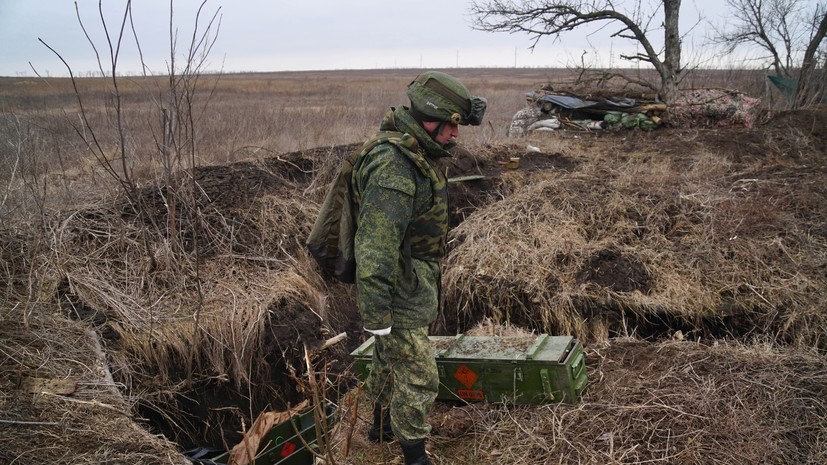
(538, 344)
(457, 339)
(578, 371)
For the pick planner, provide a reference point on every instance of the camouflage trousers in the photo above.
(404, 376)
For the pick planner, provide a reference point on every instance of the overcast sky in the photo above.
(278, 35)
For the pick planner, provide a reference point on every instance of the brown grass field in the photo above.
(143, 318)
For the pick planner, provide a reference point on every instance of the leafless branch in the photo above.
(541, 18)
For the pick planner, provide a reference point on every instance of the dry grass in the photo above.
(59, 402)
(281, 112)
(230, 316)
(204, 329)
(683, 240)
(237, 117)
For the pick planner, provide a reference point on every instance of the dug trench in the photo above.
(197, 405)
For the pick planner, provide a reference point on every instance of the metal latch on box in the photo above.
(545, 378)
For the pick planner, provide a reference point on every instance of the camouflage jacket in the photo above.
(398, 187)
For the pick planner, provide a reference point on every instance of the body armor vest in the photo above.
(427, 232)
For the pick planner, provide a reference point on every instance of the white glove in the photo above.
(379, 332)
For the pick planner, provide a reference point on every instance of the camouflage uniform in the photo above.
(404, 377)
(402, 223)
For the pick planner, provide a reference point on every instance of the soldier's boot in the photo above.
(380, 430)
(414, 452)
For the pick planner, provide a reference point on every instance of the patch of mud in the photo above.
(612, 270)
(532, 161)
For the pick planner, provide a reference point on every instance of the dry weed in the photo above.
(687, 246)
(59, 401)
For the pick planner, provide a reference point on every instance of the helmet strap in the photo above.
(421, 118)
(438, 130)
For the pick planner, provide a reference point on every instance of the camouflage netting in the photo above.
(523, 119)
(713, 108)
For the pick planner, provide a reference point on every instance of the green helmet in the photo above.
(436, 96)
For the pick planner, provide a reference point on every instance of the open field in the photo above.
(691, 262)
(243, 116)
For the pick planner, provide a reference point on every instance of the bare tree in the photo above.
(806, 91)
(789, 32)
(540, 18)
(175, 142)
(175, 138)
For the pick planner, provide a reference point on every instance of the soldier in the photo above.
(402, 222)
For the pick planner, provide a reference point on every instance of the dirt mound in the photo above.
(611, 270)
(804, 125)
(210, 323)
(667, 226)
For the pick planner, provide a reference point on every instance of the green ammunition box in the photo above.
(282, 446)
(518, 369)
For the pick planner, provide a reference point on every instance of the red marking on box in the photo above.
(466, 376)
(287, 449)
(470, 394)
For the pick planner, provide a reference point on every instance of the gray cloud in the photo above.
(277, 35)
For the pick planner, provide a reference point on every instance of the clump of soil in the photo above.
(611, 270)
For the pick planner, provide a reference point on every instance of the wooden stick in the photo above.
(333, 340)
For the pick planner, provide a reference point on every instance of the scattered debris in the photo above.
(247, 450)
(549, 110)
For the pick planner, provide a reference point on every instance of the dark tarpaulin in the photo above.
(570, 102)
(786, 86)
